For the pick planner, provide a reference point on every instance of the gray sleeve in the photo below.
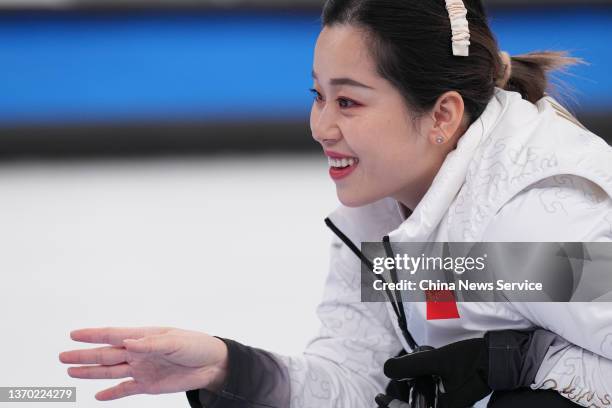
(515, 357)
(544, 360)
(256, 378)
(576, 373)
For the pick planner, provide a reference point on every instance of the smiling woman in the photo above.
(432, 135)
(354, 114)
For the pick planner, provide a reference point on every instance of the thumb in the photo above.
(412, 365)
(161, 343)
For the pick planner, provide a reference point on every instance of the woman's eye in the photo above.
(345, 103)
(316, 95)
(342, 102)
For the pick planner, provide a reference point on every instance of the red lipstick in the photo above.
(336, 171)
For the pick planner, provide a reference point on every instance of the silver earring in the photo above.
(439, 140)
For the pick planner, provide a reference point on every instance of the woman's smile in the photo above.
(340, 165)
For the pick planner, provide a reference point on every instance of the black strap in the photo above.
(397, 305)
(402, 321)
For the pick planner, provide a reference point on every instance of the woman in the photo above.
(432, 134)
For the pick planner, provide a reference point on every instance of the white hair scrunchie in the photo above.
(459, 26)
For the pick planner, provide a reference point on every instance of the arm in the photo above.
(255, 378)
(578, 374)
(577, 363)
(515, 357)
(341, 367)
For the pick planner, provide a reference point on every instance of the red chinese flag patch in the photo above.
(441, 304)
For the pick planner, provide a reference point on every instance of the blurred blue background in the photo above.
(149, 66)
(183, 77)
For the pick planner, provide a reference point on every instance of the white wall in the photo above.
(198, 244)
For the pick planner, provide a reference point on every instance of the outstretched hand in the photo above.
(158, 359)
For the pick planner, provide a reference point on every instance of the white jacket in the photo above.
(522, 172)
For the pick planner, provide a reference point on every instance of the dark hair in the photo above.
(410, 40)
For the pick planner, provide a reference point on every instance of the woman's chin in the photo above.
(354, 200)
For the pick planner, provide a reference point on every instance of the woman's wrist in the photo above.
(215, 375)
(245, 376)
(515, 356)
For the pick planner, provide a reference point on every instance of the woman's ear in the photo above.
(447, 116)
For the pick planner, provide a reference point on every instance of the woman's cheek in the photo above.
(313, 117)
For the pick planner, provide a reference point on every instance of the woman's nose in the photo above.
(324, 128)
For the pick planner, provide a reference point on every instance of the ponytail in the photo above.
(530, 72)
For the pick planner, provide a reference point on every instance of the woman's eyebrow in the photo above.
(344, 81)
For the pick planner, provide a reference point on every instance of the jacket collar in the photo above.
(435, 203)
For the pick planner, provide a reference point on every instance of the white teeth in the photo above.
(341, 162)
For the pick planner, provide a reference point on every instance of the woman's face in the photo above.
(358, 114)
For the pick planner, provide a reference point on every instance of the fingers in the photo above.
(121, 390)
(106, 372)
(412, 365)
(161, 344)
(102, 355)
(114, 335)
